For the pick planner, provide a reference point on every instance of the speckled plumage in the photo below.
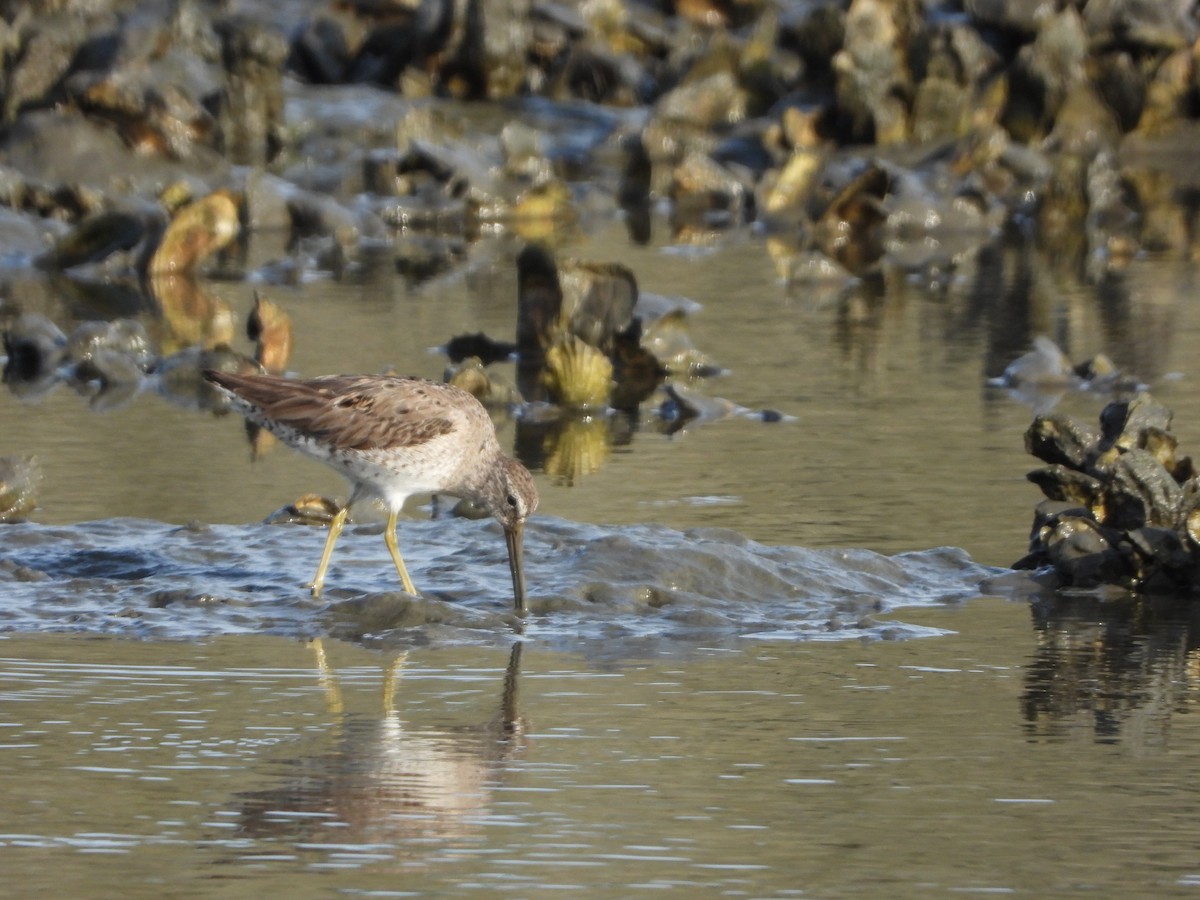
(393, 437)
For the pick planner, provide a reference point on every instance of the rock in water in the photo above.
(1123, 507)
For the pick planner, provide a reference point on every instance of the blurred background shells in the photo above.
(20, 478)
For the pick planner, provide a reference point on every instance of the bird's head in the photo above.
(513, 499)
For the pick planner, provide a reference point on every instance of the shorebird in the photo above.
(393, 437)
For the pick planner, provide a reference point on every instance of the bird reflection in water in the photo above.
(1120, 667)
(384, 783)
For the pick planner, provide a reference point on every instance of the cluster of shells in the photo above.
(146, 146)
(110, 362)
(1122, 505)
(731, 110)
(589, 342)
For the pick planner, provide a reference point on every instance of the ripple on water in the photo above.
(641, 583)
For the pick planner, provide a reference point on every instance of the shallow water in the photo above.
(711, 691)
(898, 444)
(634, 586)
(965, 764)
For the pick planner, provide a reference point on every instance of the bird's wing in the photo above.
(349, 412)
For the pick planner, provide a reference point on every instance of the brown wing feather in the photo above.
(351, 412)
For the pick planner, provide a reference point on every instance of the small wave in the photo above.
(633, 585)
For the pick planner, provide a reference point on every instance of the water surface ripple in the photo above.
(635, 584)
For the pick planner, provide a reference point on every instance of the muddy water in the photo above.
(672, 720)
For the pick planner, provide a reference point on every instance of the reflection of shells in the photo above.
(271, 330)
(693, 404)
(34, 347)
(197, 231)
(262, 441)
(1045, 364)
(180, 382)
(802, 265)
(580, 447)
(577, 374)
(126, 337)
(19, 480)
(108, 377)
(190, 314)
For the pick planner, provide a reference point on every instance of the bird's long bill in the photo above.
(514, 537)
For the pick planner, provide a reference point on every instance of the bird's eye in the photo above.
(511, 501)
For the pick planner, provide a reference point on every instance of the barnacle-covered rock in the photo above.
(1060, 440)
(1044, 74)
(1123, 423)
(1161, 559)
(1060, 483)
(786, 190)
(871, 72)
(1123, 507)
(1044, 366)
(250, 111)
(1085, 553)
(1142, 492)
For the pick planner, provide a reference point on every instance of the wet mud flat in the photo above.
(629, 588)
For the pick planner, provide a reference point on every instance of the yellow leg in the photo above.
(391, 674)
(389, 535)
(333, 691)
(335, 528)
